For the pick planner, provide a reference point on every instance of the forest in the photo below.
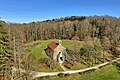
(104, 28)
(100, 34)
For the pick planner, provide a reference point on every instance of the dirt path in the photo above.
(43, 74)
(62, 67)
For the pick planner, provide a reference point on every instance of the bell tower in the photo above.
(60, 41)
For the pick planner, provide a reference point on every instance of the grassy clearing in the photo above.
(107, 73)
(38, 50)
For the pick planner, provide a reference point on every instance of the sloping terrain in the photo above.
(37, 47)
(107, 73)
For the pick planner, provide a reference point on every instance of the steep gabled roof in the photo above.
(53, 45)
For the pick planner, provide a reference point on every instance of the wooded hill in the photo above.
(105, 28)
(100, 35)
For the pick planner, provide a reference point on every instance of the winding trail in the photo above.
(43, 74)
(62, 67)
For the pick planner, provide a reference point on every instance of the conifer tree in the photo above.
(5, 52)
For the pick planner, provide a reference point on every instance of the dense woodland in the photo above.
(104, 28)
(100, 33)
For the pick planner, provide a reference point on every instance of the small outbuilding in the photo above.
(56, 51)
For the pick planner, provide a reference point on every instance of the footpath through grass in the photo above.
(37, 50)
(107, 73)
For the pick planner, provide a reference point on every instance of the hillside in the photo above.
(108, 73)
(89, 41)
(106, 28)
(36, 48)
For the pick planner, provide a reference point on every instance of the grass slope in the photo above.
(38, 50)
(107, 73)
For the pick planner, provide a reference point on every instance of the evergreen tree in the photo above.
(5, 51)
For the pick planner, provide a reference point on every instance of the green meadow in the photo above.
(37, 48)
(107, 73)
